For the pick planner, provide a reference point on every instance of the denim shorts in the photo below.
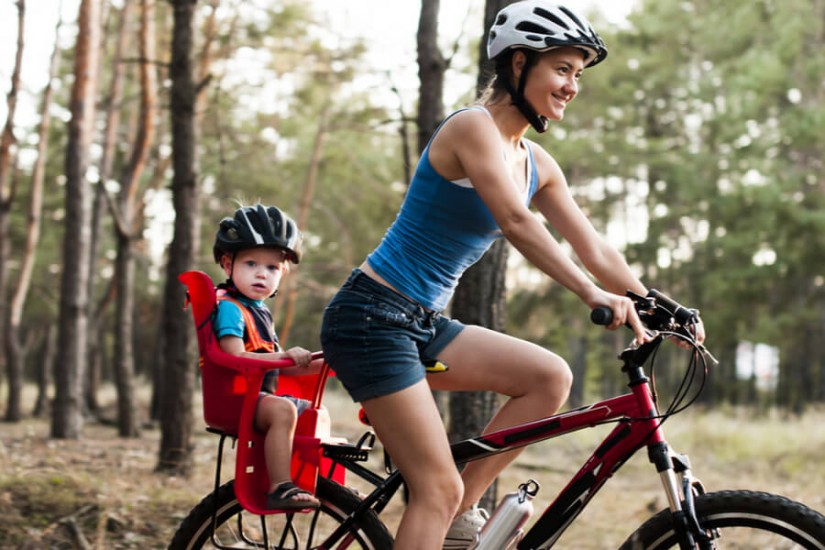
(376, 339)
(300, 404)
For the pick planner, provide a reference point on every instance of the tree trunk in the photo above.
(109, 147)
(431, 67)
(480, 300)
(127, 226)
(8, 187)
(291, 295)
(15, 352)
(210, 36)
(67, 420)
(45, 361)
(175, 455)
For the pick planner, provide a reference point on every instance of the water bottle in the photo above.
(504, 526)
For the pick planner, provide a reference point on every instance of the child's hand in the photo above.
(300, 356)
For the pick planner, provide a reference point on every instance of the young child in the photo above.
(254, 249)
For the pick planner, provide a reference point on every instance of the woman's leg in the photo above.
(408, 424)
(536, 380)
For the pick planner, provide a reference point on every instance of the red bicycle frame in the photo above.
(638, 426)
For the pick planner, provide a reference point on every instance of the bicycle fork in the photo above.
(681, 488)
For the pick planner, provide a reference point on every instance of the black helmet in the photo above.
(255, 226)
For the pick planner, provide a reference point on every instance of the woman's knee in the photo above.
(552, 377)
(442, 493)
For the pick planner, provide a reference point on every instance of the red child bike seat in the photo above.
(231, 385)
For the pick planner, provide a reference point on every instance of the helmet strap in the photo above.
(538, 122)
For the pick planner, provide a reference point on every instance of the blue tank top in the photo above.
(442, 229)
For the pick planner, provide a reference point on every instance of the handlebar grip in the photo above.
(682, 314)
(601, 315)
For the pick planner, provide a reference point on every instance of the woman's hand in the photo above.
(698, 330)
(623, 310)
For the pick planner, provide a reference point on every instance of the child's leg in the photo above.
(277, 417)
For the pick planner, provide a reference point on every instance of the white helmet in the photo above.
(540, 25)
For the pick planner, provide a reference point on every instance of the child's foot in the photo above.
(288, 496)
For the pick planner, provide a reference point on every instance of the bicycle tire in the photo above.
(742, 519)
(237, 528)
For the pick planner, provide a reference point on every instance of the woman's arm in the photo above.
(470, 145)
(556, 203)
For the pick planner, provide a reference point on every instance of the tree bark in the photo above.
(8, 185)
(206, 56)
(67, 419)
(16, 354)
(45, 361)
(291, 294)
(113, 104)
(175, 455)
(431, 68)
(127, 226)
(480, 299)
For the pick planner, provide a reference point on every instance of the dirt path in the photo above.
(101, 492)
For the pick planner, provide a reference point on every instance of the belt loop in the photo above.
(428, 316)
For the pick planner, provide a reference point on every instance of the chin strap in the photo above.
(538, 122)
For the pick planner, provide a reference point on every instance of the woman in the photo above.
(473, 184)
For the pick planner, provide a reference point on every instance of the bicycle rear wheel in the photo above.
(739, 520)
(237, 528)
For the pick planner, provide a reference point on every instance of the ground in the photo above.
(102, 491)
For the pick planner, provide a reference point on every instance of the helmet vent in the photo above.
(530, 27)
(553, 17)
(573, 16)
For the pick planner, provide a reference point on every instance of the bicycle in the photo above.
(693, 518)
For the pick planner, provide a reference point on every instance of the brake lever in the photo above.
(686, 334)
(708, 354)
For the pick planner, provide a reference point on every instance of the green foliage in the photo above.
(262, 150)
(697, 145)
(718, 128)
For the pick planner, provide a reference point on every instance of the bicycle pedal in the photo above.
(346, 451)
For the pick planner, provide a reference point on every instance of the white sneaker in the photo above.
(464, 528)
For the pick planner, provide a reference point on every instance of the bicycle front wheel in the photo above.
(237, 528)
(739, 520)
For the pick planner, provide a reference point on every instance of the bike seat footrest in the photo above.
(345, 451)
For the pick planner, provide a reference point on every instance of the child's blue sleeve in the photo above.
(228, 320)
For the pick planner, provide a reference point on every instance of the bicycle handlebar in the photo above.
(601, 315)
(656, 310)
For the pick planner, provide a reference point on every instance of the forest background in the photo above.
(697, 147)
